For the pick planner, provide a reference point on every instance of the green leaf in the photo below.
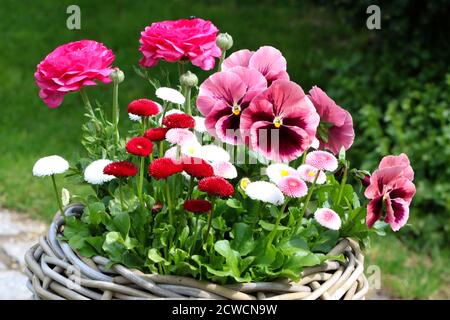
(121, 221)
(270, 226)
(153, 255)
(231, 256)
(242, 238)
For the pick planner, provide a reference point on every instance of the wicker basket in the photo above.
(56, 272)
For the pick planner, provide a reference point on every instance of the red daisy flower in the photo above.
(163, 168)
(179, 120)
(197, 167)
(156, 134)
(216, 186)
(121, 169)
(143, 108)
(139, 146)
(197, 205)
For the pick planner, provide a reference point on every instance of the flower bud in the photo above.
(117, 76)
(188, 79)
(224, 41)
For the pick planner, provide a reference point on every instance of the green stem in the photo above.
(58, 198)
(210, 216)
(161, 148)
(164, 107)
(86, 102)
(121, 196)
(343, 182)
(194, 241)
(187, 103)
(180, 68)
(304, 157)
(141, 181)
(272, 233)
(190, 188)
(115, 111)
(169, 202)
(305, 206)
(222, 57)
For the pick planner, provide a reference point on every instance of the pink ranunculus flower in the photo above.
(224, 96)
(281, 122)
(174, 40)
(267, 60)
(70, 67)
(336, 124)
(391, 187)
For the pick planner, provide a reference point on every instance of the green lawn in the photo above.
(308, 36)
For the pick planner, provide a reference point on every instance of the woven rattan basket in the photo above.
(56, 272)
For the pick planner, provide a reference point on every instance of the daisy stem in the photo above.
(190, 188)
(141, 181)
(160, 149)
(305, 205)
(343, 182)
(304, 157)
(58, 198)
(169, 202)
(115, 111)
(121, 196)
(164, 107)
(187, 102)
(272, 233)
(210, 216)
(194, 241)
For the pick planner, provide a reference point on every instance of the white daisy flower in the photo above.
(192, 149)
(278, 171)
(265, 191)
(328, 218)
(134, 117)
(171, 153)
(93, 173)
(50, 165)
(244, 183)
(214, 153)
(170, 95)
(200, 124)
(180, 136)
(224, 169)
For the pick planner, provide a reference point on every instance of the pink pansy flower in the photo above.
(336, 124)
(281, 122)
(223, 97)
(293, 187)
(308, 173)
(180, 136)
(322, 160)
(328, 218)
(70, 67)
(184, 39)
(267, 60)
(224, 169)
(391, 187)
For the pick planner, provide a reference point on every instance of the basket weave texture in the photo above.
(56, 272)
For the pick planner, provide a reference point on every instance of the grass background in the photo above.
(308, 35)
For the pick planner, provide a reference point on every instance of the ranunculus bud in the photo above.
(188, 79)
(117, 76)
(224, 41)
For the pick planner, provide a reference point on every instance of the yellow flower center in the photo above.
(278, 122)
(244, 183)
(284, 173)
(311, 174)
(191, 150)
(236, 109)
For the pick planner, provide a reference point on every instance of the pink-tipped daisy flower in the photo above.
(322, 160)
(293, 187)
(180, 136)
(224, 169)
(224, 96)
(280, 122)
(328, 218)
(267, 60)
(308, 173)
